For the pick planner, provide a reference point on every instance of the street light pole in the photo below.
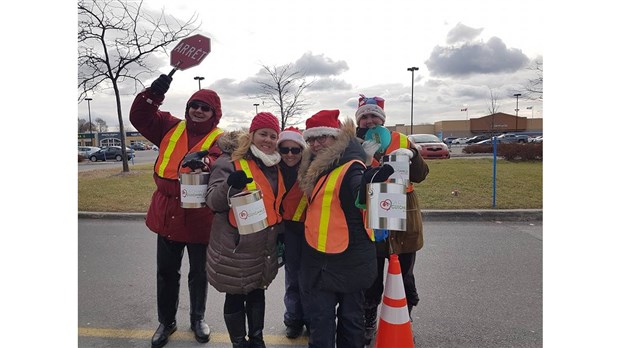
(90, 124)
(199, 78)
(412, 69)
(256, 106)
(517, 111)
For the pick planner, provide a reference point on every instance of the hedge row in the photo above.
(510, 152)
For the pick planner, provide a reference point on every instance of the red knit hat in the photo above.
(373, 106)
(324, 122)
(265, 120)
(293, 134)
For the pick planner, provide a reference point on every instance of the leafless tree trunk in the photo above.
(284, 88)
(115, 38)
(493, 108)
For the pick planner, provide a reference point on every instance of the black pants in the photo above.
(169, 258)
(293, 240)
(407, 261)
(322, 308)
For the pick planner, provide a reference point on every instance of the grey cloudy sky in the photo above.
(463, 49)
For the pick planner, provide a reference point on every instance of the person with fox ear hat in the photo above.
(371, 115)
(338, 260)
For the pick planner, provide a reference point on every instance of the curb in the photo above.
(428, 215)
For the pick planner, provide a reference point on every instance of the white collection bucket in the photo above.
(400, 163)
(387, 206)
(194, 189)
(249, 210)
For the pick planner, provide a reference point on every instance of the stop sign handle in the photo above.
(176, 67)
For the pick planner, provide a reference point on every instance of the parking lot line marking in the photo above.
(217, 337)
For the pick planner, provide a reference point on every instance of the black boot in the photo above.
(370, 324)
(201, 330)
(256, 323)
(160, 337)
(235, 324)
(197, 284)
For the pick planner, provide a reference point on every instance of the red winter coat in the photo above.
(165, 215)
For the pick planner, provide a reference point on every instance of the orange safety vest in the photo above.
(173, 149)
(399, 141)
(272, 202)
(294, 204)
(326, 225)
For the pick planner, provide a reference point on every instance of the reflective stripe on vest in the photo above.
(326, 225)
(173, 148)
(272, 202)
(294, 204)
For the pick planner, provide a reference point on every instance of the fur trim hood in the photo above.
(229, 141)
(345, 149)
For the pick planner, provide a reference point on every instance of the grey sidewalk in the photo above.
(431, 215)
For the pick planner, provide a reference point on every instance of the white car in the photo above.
(86, 151)
(537, 139)
(460, 141)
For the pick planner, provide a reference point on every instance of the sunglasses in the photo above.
(293, 150)
(196, 105)
(321, 139)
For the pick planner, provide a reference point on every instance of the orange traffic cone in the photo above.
(394, 326)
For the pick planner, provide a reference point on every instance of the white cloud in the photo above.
(348, 48)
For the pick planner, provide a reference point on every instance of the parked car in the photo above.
(138, 147)
(485, 142)
(512, 138)
(537, 139)
(109, 153)
(448, 140)
(459, 141)
(477, 138)
(86, 151)
(430, 146)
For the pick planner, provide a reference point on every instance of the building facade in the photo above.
(491, 124)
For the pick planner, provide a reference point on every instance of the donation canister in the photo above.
(250, 212)
(387, 206)
(400, 163)
(194, 189)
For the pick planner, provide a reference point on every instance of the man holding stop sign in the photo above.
(182, 143)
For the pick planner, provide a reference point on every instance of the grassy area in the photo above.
(519, 185)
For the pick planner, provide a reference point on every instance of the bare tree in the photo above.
(83, 126)
(534, 89)
(115, 38)
(102, 126)
(284, 88)
(493, 108)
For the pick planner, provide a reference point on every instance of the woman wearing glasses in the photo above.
(338, 259)
(178, 228)
(242, 265)
(291, 143)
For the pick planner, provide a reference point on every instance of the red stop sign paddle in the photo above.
(189, 52)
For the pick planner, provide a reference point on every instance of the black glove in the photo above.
(161, 84)
(361, 132)
(238, 180)
(378, 174)
(194, 161)
(374, 174)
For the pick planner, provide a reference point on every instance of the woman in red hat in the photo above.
(178, 228)
(338, 260)
(242, 265)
